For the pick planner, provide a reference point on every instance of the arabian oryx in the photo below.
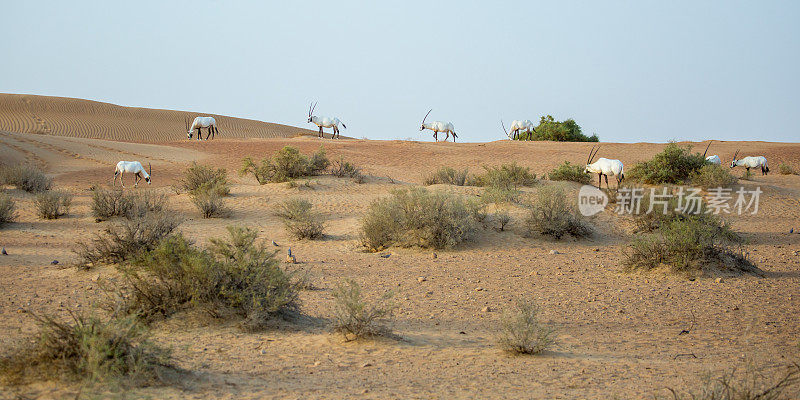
(711, 159)
(132, 167)
(439, 126)
(751, 162)
(325, 122)
(604, 167)
(517, 126)
(198, 124)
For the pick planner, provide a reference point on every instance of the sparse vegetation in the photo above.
(108, 203)
(341, 169)
(26, 177)
(52, 204)
(8, 209)
(417, 217)
(285, 165)
(355, 317)
(786, 169)
(127, 239)
(210, 203)
(655, 212)
(674, 165)
(521, 332)
(447, 176)
(749, 384)
(712, 176)
(503, 219)
(505, 177)
(569, 172)
(238, 276)
(550, 129)
(203, 178)
(552, 215)
(89, 349)
(300, 220)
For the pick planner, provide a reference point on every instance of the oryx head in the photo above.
(311, 111)
(422, 128)
(591, 157)
(148, 173)
(733, 163)
(189, 131)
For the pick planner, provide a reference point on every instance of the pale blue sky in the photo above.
(627, 70)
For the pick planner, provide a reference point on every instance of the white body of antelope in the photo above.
(199, 123)
(604, 167)
(751, 162)
(132, 167)
(439, 126)
(517, 126)
(325, 122)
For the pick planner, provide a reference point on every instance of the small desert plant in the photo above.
(107, 203)
(210, 203)
(26, 177)
(502, 218)
(52, 204)
(286, 164)
(448, 176)
(569, 172)
(300, 220)
(712, 176)
(355, 317)
(417, 217)
(785, 169)
(318, 162)
(506, 177)
(125, 240)
(521, 332)
(205, 178)
(551, 214)
(7, 209)
(673, 165)
(88, 348)
(750, 384)
(658, 208)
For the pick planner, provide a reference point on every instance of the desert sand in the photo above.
(618, 334)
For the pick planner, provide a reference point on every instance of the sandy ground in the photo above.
(617, 333)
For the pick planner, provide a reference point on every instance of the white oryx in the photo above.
(132, 167)
(517, 126)
(199, 123)
(439, 126)
(604, 167)
(751, 162)
(711, 159)
(325, 122)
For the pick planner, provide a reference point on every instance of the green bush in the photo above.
(687, 245)
(448, 176)
(88, 349)
(712, 176)
(552, 215)
(52, 204)
(521, 332)
(550, 129)
(417, 217)
(7, 209)
(785, 169)
(505, 177)
(355, 317)
(205, 178)
(300, 221)
(674, 165)
(654, 214)
(26, 177)
(569, 172)
(285, 165)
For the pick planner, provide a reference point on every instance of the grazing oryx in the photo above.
(711, 159)
(517, 126)
(604, 167)
(198, 124)
(132, 167)
(751, 162)
(439, 126)
(325, 122)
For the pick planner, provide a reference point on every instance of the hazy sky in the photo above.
(628, 70)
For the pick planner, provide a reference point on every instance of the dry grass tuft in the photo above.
(551, 214)
(52, 204)
(355, 317)
(26, 177)
(300, 220)
(124, 241)
(8, 208)
(521, 332)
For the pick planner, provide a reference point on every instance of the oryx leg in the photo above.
(607, 182)
(322, 135)
(136, 179)
(114, 183)
(599, 180)
(199, 134)
(335, 132)
(208, 134)
(122, 178)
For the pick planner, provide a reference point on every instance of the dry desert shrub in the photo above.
(447, 176)
(569, 172)
(205, 178)
(125, 240)
(8, 209)
(113, 202)
(551, 214)
(26, 177)
(344, 169)
(712, 176)
(52, 204)
(300, 220)
(356, 317)
(417, 217)
(673, 165)
(521, 332)
(87, 348)
(750, 384)
(785, 169)
(210, 203)
(285, 165)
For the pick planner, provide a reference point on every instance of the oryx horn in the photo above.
(709, 145)
(426, 115)
(591, 156)
(504, 127)
(150, 169)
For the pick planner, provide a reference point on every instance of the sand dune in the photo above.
(62, 116)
